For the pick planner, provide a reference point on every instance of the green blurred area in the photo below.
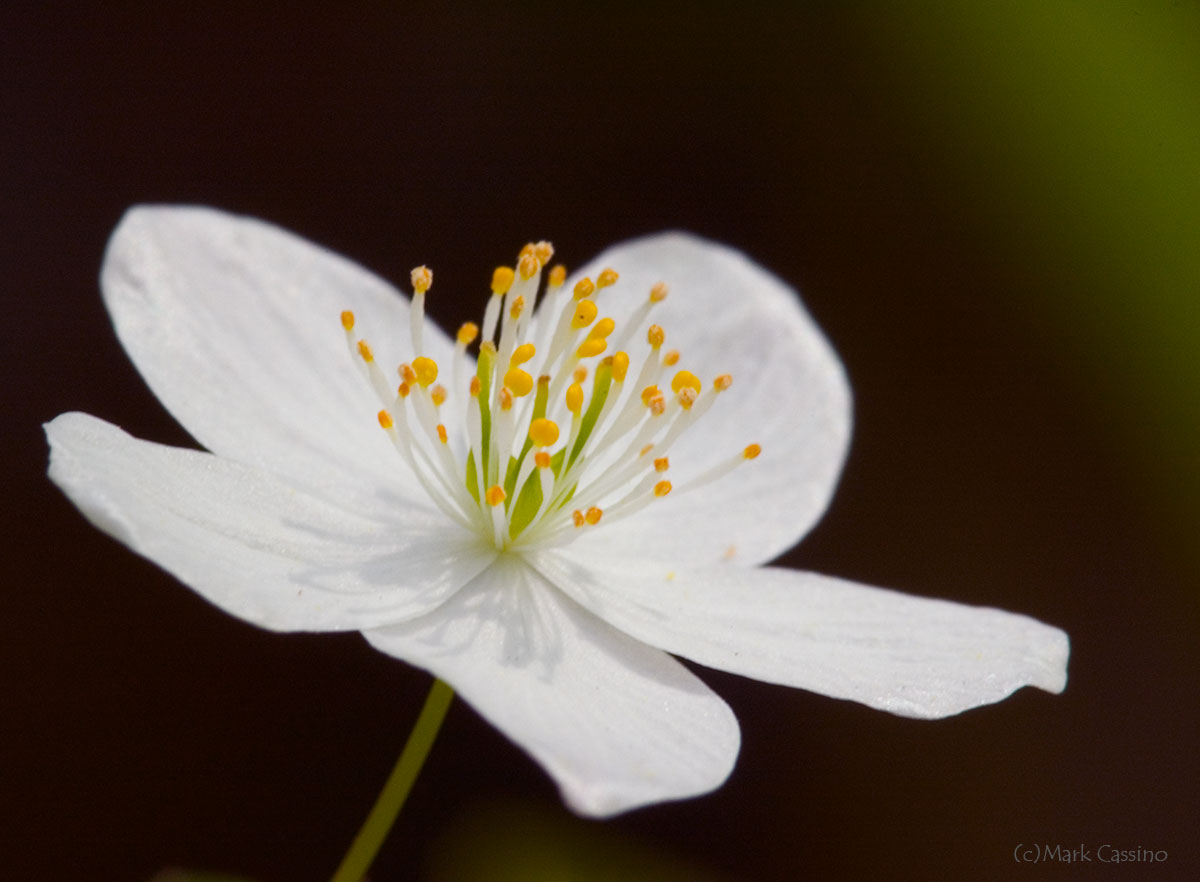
(519, 842)
(1073, 130)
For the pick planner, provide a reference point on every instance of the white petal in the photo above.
(912, 656)
(253, 545)
(616, 723)
(726, 314)
(234, 324)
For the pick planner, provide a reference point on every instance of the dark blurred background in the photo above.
(993, 212)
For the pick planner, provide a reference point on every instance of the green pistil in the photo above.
(600, 387)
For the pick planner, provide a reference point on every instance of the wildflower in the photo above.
(543, 526)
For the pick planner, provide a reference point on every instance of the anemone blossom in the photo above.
(543, 524)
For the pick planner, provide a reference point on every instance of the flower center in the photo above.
(534, 463)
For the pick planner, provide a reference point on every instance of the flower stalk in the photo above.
(391, 799)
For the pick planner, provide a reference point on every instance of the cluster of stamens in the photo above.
(500, 467)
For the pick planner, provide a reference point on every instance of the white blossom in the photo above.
(355, 483)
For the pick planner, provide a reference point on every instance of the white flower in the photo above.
(556, 627)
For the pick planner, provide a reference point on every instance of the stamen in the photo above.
(518, 382)
(722, 469)
(528, 266)
(425, 370)
(685, 379)
(585, 313)
(422, 278)
(543, 432)
(511, 483)
(522, 354)
(502, 279)
(575, 398)
(591, 348)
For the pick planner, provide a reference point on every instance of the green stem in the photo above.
(383, 814)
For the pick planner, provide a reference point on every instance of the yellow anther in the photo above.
(655, 336)
(751, 451)
(473, 387)
(649, 394)
(671, 358)
(506, 398)
(407, 374)
(526, 249)
(593, 515)
(518, 382)
(584, 288)
(467, 333)
(348, 320)
(620, 366)
(601, 329)
(502, 279)
(438, 394)
(606, 278)
(585, 313)
(685, 378)
(577, 518)
(580, 374)
(522, 354)
(558, 275)
(591, 347)
(495, 495)
(543, 432)
(542, 460)
(645, 450)
(687, 397)
(364, 350)
(426, 370)
(403, 390)
(528, 266)
(422, 278)
(658, 293)
(385, 419)
(723, 382)
(518, 306)
(662, 488)
(658, 404)
(441, 430)
(543, 251)
(575, 398)
(662, 464)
